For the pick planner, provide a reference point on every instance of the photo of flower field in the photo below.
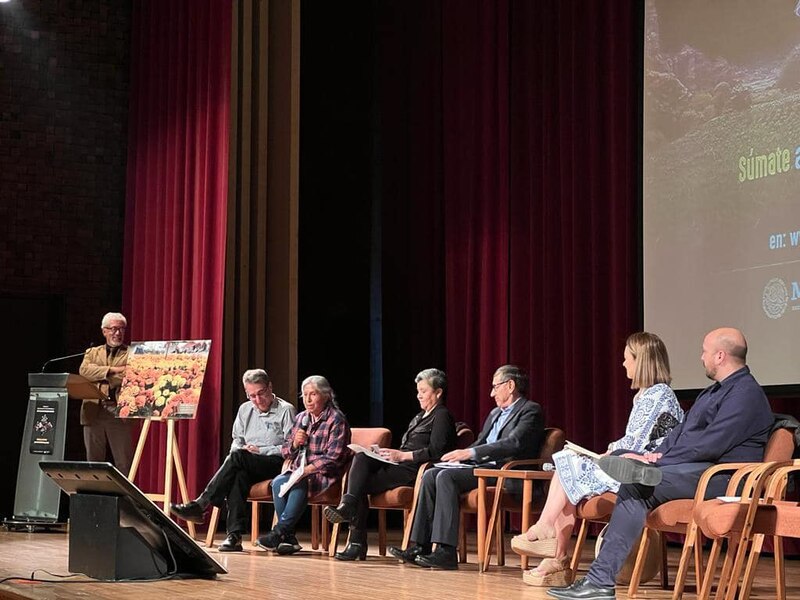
(163, 379)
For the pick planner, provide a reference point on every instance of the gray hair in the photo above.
(515, 374)
(113, 316)
(323, 387)
(433, 377)
(255, 376)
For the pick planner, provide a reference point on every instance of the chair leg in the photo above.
(780, 569)
(664, 562)
(314, 527)
(698, 559)
(704, 591)
(724, 576)
(333, 546)
(500, 547)
(689, 546)
(636, 576)
(752, 562)
(325, 531)
(212, 527)
(255, 508)
(408, 517)
(462, 543)
(579, 541)
(382, 532)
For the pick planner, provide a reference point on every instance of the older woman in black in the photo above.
(430, 434)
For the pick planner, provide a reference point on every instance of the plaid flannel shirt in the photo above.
(326, 449)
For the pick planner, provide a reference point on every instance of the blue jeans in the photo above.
(289, 508)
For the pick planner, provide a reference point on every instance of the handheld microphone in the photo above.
(304, 422)
(76, 355)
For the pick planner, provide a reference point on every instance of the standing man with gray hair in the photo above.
(260, 429)
(105, 366)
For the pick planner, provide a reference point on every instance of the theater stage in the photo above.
(308, 574)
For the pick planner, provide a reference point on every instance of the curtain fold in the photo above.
(535, 175)
(176, 205)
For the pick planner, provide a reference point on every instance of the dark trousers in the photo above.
(633, 503)
(370, 476)
(105, 426)
(438, 506)
(233, 480)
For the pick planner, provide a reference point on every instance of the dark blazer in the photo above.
(430, 437)
(521, 436)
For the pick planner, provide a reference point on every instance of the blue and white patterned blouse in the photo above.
(655, 412)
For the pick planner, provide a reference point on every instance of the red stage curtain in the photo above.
(526, 145)
(176, 204)
(540, 137)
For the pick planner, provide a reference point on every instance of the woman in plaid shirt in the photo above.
(317, 444)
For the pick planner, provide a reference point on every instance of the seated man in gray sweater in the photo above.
(259, 431)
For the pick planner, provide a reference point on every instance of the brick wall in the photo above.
(63, 127)
(63, 142)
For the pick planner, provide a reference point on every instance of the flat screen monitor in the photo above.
(180, 552)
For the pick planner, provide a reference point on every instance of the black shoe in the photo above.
(629, 470)
(408, 556)
(232, 543)
(354, 551)
(344, 513)
(583, 589)
(191, 511)
(444, 557)
(270, 541)
(289, 545)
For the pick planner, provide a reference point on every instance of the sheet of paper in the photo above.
(294, 477)
(371, 452)
(454, 465)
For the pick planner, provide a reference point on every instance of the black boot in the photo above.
(353, 551)
(344, 513)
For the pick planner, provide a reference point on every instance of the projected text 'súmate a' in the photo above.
(757, 166)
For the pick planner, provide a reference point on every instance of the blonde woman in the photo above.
(654, 413)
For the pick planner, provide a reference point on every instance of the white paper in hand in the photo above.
(294, 477)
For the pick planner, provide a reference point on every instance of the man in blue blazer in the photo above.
(513, 430)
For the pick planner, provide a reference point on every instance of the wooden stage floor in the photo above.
(308, 574)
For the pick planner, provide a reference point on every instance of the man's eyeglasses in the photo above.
(259, 394)
(497, 385)
(114, 329)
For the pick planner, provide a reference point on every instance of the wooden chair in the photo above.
(596, 509)
(473, 501)
(405, 497)
(676, 516)
(261, 492)
(744, 524)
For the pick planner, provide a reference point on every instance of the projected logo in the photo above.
(775, 298)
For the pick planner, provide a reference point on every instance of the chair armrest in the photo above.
(702, 485)
(527, 462)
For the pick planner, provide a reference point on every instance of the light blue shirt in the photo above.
(501, 419)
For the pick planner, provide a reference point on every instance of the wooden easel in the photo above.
(173, 457)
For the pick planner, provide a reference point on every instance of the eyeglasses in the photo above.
(260, 394)
(497, 385)
(114, 329)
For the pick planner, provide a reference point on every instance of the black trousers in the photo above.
(233, 480)
(370, 476)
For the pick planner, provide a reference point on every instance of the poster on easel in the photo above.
(163, 379)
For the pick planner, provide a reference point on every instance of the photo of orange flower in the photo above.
(163, 379)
